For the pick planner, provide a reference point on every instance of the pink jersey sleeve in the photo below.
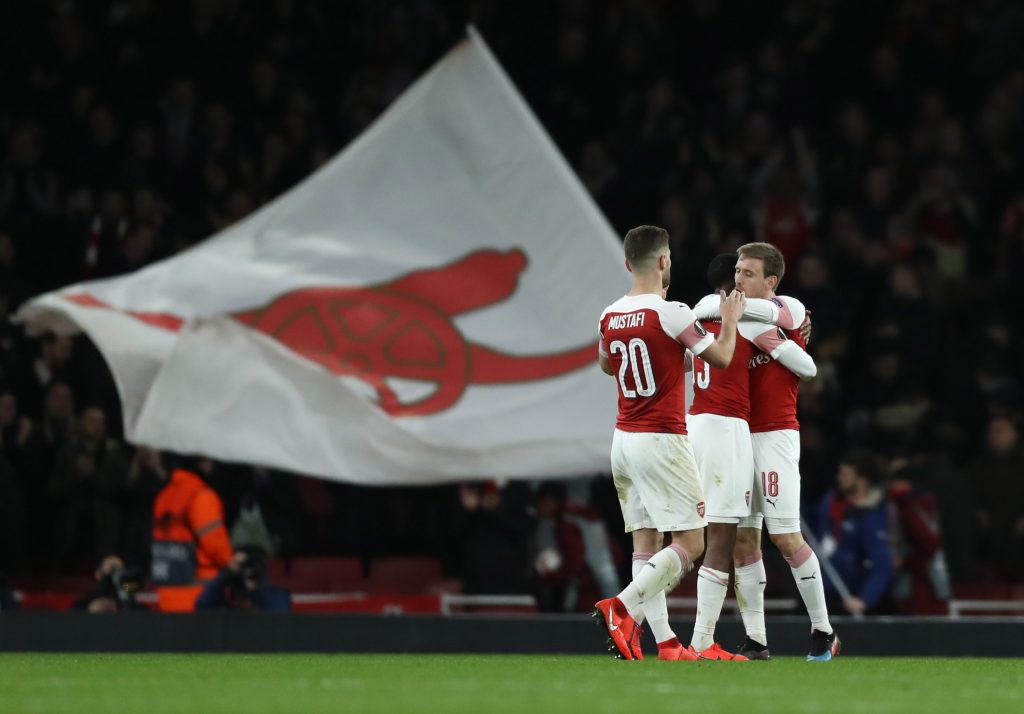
(766, 338)
(791, 312)
(682, 325)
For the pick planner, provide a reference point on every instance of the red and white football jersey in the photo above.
(725, 392)
(645, 338)
(773, 388)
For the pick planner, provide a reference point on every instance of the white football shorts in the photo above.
(657, 481)
(725, 460)
(776, 481)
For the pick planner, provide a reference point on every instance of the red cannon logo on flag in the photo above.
(401, 329)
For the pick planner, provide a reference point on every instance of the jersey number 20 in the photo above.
(637, 357)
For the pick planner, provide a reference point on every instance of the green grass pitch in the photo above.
(85, 683)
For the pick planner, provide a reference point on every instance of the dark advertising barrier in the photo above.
(552, 634)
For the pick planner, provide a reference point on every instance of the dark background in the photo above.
(877, 144)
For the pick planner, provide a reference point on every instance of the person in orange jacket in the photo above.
(190, 543)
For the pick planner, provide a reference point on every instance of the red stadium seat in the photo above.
(277, 569)
(405, 574)
(451, 586)
(323, 574)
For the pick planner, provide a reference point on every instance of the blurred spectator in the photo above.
(12, 519)
(788, 209)
(35, 466)
(921, 585)
(13, 288)
(574, 559)
(996, 476)
(8, 339)
(599, 175)
(854, 527)
(90, 472)
(15, 427)
(243, 585)
(144, 165)
(115, 589)
(179, 110)
(146, 477)
(28, 189)
(190, 543)
(878, 202)
(103, 243)
(137, 249)
(493, 532)
(813, 285)
(946, 216)
(55, 352)
(250, 527)
(933, 472)
(1010, 257)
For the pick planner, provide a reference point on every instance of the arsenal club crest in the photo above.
(700, 509)
(404, 328)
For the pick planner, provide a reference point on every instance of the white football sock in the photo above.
(639, 561)
(711, 588)
(807, 574)
(750, 582)
(654, 608)
(665, 567)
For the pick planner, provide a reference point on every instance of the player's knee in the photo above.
(748, 540)
(647, 540)
(720, 535)
(692, 542)
(788, 543)
(696, 546)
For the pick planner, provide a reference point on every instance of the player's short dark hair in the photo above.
(865, 463)
(771, 257)
(722, 272)
(643, 242)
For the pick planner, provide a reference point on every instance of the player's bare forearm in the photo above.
(719, 353)
(605, 364)
(732, 306)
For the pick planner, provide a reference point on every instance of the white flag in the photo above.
(423, 308)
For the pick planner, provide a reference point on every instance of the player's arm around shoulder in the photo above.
(708, 308)
(784, 311)
(773, 342)
(792, 312)
(719, 353)
(792, 316)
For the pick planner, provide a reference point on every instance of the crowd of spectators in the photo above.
(878, 145)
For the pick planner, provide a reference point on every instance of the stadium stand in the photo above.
(878, 144)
